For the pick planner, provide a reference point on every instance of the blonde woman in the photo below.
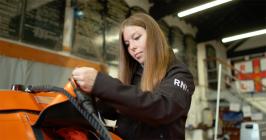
(152, 96)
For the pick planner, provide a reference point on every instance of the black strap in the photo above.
(38, 133)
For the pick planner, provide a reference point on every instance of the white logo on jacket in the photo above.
(180, 84)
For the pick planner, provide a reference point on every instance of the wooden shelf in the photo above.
(31, 53)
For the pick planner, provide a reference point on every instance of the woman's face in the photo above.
(135, 41)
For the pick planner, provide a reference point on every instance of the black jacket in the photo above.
(158, 115)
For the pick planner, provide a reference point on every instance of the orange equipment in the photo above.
(49, 113)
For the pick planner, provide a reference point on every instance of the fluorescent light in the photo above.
(201, 7)
(245, 35)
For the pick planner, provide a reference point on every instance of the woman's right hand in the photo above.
(85, 77)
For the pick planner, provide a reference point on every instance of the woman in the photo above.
(153, 94)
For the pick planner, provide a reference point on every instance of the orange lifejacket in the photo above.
(41, 115)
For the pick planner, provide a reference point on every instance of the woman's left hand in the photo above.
(85, 77)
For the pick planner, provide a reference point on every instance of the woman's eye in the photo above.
(137, 38)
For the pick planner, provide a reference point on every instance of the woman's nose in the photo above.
(133, 47)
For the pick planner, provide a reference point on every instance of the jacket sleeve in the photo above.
(168, 102)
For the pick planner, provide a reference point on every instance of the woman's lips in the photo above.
(138, 55)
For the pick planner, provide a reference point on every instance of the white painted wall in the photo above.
(199, 100)
(68, 26)
(24, 72)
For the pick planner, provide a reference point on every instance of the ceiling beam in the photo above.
(236, 45)
(247, 52)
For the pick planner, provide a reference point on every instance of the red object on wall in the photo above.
(257, 75)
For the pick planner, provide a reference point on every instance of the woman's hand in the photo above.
(85, 77)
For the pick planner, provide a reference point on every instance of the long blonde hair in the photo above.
(157, 54)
